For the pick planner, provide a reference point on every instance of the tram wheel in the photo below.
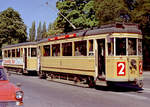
(91, 82)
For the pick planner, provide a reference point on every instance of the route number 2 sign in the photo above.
(121, 69)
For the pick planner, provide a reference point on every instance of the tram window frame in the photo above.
(111, 47)
(56, 50)
(13, 53)
(121, 47)
(46, 52)
(91, 47)
(80, 48)
(33, 52)
(132, 46)
(18, 53)
(9, 53)
(140, 51)
(67, 49)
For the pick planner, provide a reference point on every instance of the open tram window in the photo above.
(67, 49)
(91, 53)
(18, 52)
(81, 48)
(9, 53)
(120, 46)
(56, 50)
(132, 48)
(139, 46)
(21, 52)
(33, 52)
(111, 47)
(46, 50)
(13, 52)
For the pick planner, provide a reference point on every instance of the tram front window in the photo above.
(120, 46)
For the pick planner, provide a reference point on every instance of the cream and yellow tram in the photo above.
(20, 57)
(112, 53)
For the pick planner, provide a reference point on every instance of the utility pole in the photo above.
(63, 17)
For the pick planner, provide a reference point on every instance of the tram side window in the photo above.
(21, 52)
(46, 50)
(120, 46)
(5, 54)
(33, 52)
(13, 52)
(132, 46)
(56, 50)
(111, 47)
(18, 52)
(9, 53)
(67, 49)
(80, 48)
(29, 51)
(91, 48)
(139, 46)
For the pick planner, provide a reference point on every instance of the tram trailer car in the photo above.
(110, 54)
(20, 57)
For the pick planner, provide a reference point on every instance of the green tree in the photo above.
(53, 29)
(44, 31)
(12, 27)
(39, 32)
(80, 13)
(32, 32)
(109, 11)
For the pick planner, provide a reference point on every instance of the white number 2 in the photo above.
(121, 69)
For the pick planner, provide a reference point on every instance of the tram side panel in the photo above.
(70, 65)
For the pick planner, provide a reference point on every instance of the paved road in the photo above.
(43, 93)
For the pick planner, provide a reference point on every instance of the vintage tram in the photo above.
(112, 53)
(105, 55)
(20, 57)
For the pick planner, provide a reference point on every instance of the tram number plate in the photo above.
(121, 69)
(140, 67)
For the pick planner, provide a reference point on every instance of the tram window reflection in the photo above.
(56, 50)
(67, 49)
(46, 51)
(139, 46)
(120, 46)
(33, 52)
(80, 48)
(111, 47)
(132, 46)
(21, 52)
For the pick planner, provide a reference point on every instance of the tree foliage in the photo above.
(79, 12)
(39, 32)
(32, 32)
(44, 30)
(12, 27)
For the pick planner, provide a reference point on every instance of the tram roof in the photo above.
(20, 44)
(111, 28)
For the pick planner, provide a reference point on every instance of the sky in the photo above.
(32, 10)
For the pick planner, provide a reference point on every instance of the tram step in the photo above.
(101, 83)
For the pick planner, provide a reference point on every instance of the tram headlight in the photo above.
(19, 95)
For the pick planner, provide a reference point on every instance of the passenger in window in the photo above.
(77, 52)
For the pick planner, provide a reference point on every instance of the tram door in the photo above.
(101, 57)
(25, 58)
